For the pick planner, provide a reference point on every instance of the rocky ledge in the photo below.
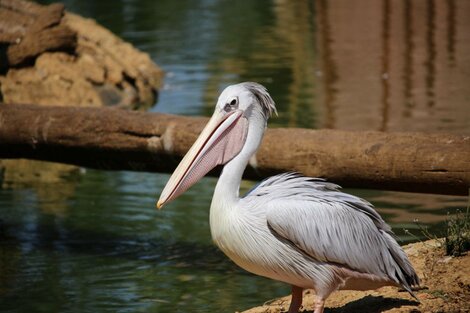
(52, 57)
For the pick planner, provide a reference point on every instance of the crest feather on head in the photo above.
(263, 97)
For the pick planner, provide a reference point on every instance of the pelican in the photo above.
(291, 228)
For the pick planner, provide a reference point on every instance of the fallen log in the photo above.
(114, 139)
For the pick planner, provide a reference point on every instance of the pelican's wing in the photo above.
(332, 226)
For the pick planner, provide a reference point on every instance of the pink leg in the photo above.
(296, 301)
(319, 304)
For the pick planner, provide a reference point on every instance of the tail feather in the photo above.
(405, 274)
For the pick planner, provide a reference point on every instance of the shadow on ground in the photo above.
(371, 304)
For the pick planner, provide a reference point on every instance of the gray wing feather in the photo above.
(292, 185)
(332, 226)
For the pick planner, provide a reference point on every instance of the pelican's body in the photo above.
(271, 219)
(290, 228)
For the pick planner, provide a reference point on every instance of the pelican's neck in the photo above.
(228, 186)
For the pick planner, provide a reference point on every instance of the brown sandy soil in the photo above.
(445, 281)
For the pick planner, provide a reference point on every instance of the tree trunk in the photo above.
(114, 139)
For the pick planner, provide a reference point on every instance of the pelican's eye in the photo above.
(232, 105)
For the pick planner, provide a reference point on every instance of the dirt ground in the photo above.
(445, 283)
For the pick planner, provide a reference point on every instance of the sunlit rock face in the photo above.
(77, 63)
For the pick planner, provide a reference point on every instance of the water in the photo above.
(101, 246)
(92, 241)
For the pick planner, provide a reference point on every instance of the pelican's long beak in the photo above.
(220, 141)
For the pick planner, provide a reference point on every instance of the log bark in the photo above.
(113, 139)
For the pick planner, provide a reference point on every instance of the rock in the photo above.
(58, 58)
(54, 80)
(52, 57)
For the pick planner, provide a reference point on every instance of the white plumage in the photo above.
(295, 229)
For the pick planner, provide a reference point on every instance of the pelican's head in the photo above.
(249, 97)
(242, 110)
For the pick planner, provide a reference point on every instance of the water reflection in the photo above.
(390, 66)
(51, 189)
(327, 72)
(108, 250)
(380, 65)
(112, 251)
(375, 65)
